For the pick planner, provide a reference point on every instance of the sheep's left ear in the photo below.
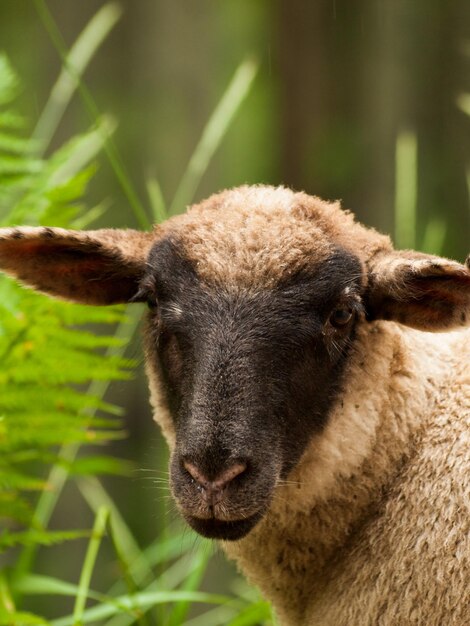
(422, 291)
(92, 267)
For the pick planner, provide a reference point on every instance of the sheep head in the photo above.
(254, 298)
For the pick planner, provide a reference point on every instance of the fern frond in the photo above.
(39, 537)
(44, 350)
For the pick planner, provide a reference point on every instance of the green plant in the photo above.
(55, 373)
(407, 234)
(39, 408)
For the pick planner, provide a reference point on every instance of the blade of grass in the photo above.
(180, 571)
(6, 600)
(157, 201)
(253, 615)
(406, 190)
(92, 215)
(160, 551)
(132, 588)
(99, 529)
(434, 236)
(90, 105)
(145, 600)
(95, 495)
(213, 134)
(463, 102)
(125, 546)
(85, 149)
(219, 616)
(174, 576)
(49, 586)
(192, 582)
(185, 572)
(78, 58)
(21, 619)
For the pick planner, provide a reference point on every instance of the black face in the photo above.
(250, 377)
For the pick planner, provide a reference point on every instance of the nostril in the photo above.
(195, 473)
(220, 481)
(226, 477)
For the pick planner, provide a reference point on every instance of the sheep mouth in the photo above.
(214, 528)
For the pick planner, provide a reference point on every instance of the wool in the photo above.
(254, 236)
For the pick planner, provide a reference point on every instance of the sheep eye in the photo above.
(340, 317)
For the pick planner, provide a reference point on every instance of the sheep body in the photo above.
(371, 524)
(374, 522)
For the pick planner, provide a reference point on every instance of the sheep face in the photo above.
(249, 375)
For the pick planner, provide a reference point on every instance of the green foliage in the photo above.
(43, 347)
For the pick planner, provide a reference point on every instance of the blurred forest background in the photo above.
(343, 89)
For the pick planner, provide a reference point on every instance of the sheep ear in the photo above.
(91, 267)
(422, 291)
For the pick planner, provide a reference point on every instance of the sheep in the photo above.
(317, 417)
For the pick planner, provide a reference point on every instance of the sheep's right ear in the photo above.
(419, 290)
(91, 267)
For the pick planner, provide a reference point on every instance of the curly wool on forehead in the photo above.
(257, 235)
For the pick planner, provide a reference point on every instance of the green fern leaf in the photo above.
(44, 350)
(9, 83)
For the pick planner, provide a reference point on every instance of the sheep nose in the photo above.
(211, 490)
